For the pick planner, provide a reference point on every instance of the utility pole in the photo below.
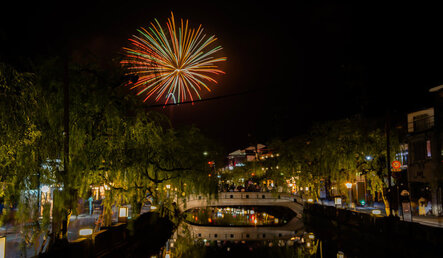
(66, 117)
(388, 161)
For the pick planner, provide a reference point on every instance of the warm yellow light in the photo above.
(2, 247)
(85, 232)
(311, 236)
(153, 207)
(123, 212)
(348, 185)
(310, 200)
(308, 244)
(168, 186)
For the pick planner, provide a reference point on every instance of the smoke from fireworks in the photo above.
(175, 63)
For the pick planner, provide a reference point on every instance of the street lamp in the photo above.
(349, 186)
(168, 187)
(85, 232)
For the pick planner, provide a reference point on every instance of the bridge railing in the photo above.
(245, 195)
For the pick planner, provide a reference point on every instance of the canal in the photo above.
(255, 231)
(276, 231)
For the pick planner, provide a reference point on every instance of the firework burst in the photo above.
(174, 63)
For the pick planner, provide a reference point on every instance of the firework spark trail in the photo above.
(172, 62)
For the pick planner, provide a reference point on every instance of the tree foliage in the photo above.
(338, 151)
(114, 141)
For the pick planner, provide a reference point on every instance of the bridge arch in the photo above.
(244, 199)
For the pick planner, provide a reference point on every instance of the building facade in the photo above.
(425, 170)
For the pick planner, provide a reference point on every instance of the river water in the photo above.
(276, 231)
(242, 231)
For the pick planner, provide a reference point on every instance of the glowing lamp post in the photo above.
(376, 212)
(2, 246)
(349, 186)
(168, 187)
(123, 214)
(85, 232)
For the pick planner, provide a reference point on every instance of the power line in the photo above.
(202, 100)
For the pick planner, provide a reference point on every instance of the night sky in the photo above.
(298, 64)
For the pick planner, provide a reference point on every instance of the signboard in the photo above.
(396, 165)
(337, 201)
(407, 215)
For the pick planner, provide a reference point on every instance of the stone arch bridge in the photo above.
(245, 199)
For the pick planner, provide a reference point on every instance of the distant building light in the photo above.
(310, 200)
(368, 158)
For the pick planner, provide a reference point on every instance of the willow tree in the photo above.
(26, 138)
(337, 151)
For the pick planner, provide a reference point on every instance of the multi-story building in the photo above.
(425, 135)
(238, 158)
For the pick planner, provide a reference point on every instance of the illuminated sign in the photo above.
(396, 165)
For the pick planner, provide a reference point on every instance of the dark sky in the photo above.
(300, 63)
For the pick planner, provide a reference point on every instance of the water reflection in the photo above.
(255, 231)
(240, 216)
(299, 245)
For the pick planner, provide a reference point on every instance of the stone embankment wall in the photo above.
(364, 235)
(139, 238)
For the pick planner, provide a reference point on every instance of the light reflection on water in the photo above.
(257, 231)
(239, 216)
